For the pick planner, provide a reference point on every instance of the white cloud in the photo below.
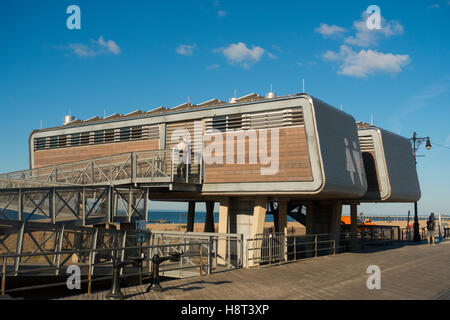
(366, 37)
(240, 54)
(95, 48)
(433, 6)
(272, 56)
(329, 30)
(424, 97)
(110, 45)
(221, 13)
(186, 49)
(366, 62)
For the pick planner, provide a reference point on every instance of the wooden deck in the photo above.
(409, 272)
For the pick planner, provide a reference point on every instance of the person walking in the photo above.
(431, 226)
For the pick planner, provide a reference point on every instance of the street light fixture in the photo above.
(417, 141)
(428, 145)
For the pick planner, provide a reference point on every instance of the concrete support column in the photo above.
(259, 217)
(324, 218)
(353, 218)
(336, 223)
(209, 219)
(224, 212)
(191, 216)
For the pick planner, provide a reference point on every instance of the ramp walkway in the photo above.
(101, 190)
(407, 272)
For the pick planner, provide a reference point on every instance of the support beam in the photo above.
(191, 216)
(224, 212)
(209, 219)
(259, 217)
(19, 247)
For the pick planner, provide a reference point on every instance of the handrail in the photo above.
(124, 168)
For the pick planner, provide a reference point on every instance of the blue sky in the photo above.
(144, 54)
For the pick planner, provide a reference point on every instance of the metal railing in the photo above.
(225, 249)
(272, 248)
(93, 251)
(134, 167)
(407, 234)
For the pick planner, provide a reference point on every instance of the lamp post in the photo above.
(417, 141)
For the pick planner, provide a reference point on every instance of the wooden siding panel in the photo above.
(43, 158)
(294, 163)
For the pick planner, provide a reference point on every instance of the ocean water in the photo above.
(174, 216)
(169, 216)
(180, 216)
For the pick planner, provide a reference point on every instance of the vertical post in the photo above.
(110, 170)
(53, 205)
(3, 275)
(92, 171)
(270, 248)
(133, 167)
(19, 247)
(92, 259)
(240, 251)
(83, 206)
(20, 206)
(122, 252)
(201, 259)
(209, 255)
(108, 211)
(58, 249)
(315, 246)
(146, 195)
(130, 201)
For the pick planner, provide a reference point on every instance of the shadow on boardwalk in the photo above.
(183, 287)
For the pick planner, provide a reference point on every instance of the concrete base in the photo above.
(241, 216)
(323, 218)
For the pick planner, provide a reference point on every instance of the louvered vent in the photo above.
(366, 143)
(98, 137)
(257, 120)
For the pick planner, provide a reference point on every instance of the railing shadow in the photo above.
(182, 287)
